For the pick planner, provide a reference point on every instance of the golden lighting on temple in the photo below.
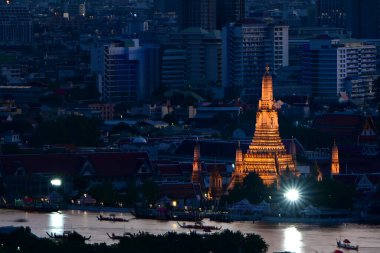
(266, 154)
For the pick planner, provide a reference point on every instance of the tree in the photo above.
(171, 118)
(150, 191)
(78, 130)
(252, 189)
(104, 193)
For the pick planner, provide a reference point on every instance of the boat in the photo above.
(119, 237)
(112, 218)
(346, 244)
(69, 235)
(199, 225)
(164, 214)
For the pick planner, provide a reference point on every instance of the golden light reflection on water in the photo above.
(56, 222)
(293, 239)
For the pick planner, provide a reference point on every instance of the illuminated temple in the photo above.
(266, 154)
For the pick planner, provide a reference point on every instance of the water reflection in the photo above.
(56, 222)
(293, 239)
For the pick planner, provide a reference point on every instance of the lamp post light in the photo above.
(56, 182)
(292, 195)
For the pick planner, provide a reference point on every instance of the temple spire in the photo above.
(196, 174)
(266, 101)
(238, 173)
(335, 170)
(266, 154)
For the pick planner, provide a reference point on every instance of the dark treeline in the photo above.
(22, 240)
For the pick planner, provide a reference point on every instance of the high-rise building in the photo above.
(75, 9)
(173, 67)
(266, 155)
(246, 45)
(192, 57)
(15, 25)
(331, 13)
(229, 11)
(166, 5)
(339, 68)
(130, 68)
(197, 13)
(363, 18)
(120, 74)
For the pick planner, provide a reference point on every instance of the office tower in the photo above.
(331, 13)
(166, 5)
(197, 13)
(247, 47)
(120, 74)
(192, 57)
(339, 68)
(173, 67)
(229, 11)
(364, 18)
(15, 25)
(75, 9)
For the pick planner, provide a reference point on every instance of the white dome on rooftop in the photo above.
(139, 140)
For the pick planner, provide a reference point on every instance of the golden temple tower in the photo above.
(266, 154)
(238, 174)
(334, 160)
(196, 174)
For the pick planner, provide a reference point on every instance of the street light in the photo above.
(56, 182)
(292, 195)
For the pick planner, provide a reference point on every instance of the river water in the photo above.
(300, 238)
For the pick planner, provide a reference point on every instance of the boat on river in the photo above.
(111, 218)
(165, 214)
(199, 225)
(69, 235)
(346, 244)
(119, 237)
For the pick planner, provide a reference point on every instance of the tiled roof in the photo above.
(169, 169)
(104, 164)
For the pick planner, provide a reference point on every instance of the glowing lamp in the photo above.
(56, 182)
(292, 195)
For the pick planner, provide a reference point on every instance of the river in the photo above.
(300, 238)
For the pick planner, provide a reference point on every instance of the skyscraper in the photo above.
(197, 13)
(229, 11)
(120, 74)
(331, 13)
(246, 46)
(15, 25)
(192, 57)
(364, 19)
(338, 67)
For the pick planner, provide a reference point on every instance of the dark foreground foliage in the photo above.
(22, 240)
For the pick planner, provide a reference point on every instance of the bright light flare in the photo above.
(56, 182)
(292, 195)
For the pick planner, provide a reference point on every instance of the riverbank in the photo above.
(22, 239)
(272, 219)
(98, 209)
